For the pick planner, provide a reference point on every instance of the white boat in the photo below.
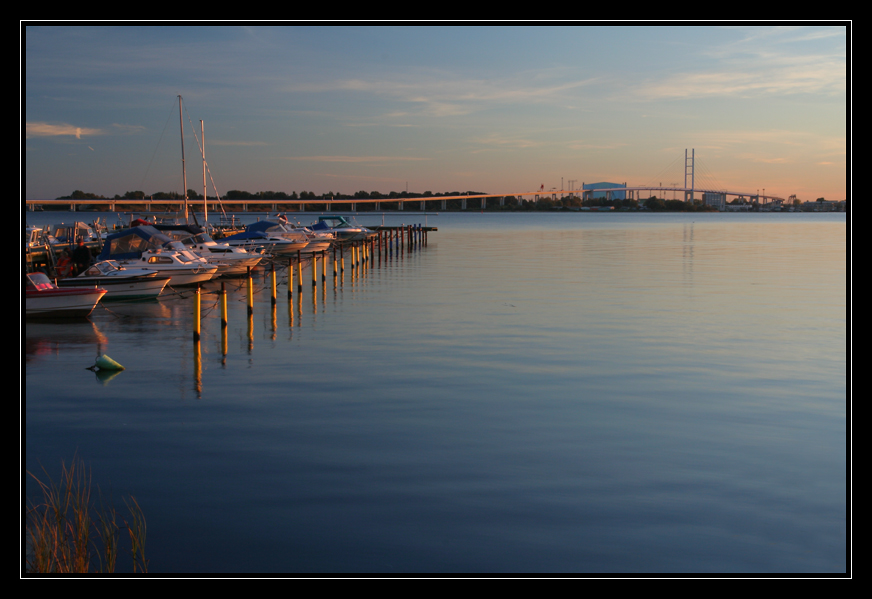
(119, 282)
(230, 260)
(43, 299)
(271, 237)
(319, 241)
(146, 247)
(344, 230)
(72, 233)
(37, 237)
(181, 266)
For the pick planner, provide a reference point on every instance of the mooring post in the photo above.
(197, 315)
(223, 306)
(323, 266)
(299, 273)
(250, 293)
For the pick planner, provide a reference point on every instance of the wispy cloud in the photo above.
(763, 62)
(439, 94)
(825, 76)
(127, 129)
(36, 129)
(586, 145)
(353, 159)
(495, 140)
(224, 142)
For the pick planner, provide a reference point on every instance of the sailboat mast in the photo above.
(205, 204)
(184, 175)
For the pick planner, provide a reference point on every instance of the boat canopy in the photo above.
(246, 235)
(130, 243)
(185, 233)
(265, 226)
(329, 222)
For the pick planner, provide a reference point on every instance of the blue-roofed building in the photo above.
(615, 195)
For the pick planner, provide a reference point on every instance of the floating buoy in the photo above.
(104, 362)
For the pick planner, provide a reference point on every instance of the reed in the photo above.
(66, 532)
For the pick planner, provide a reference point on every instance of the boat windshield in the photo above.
(201, 238)
(334, 222)
(38, 281)
(101, 268)
(186, 256)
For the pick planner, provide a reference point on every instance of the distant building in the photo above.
(614, 195)
(823, 206)
(715, 199)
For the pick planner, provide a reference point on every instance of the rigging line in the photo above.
(142, 183)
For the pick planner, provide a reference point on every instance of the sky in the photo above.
(493, 109)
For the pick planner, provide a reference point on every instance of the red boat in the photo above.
(43, 299)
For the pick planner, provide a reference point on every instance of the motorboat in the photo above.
(182, 266)
(146, 247)
(319, 241)
(271, 237)
(344, 230)
(72, 233)
(37, 237)
(43, 299)
(119, 282)
(281, 230)
(230, 260)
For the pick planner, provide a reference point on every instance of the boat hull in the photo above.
(73, 302)
(190, 277)
(122, 288)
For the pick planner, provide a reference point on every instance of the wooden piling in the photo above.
(299, 273)
(250, 293)
(273, 277)
(223, 306)
(323, 266)
(197, 315)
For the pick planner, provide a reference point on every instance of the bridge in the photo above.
(634, 193)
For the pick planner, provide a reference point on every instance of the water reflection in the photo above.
(598, 396)
(49, 337)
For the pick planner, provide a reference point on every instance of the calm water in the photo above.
(543, 393)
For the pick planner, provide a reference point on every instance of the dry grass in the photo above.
(67, 533)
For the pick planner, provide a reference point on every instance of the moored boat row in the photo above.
(140, 261)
